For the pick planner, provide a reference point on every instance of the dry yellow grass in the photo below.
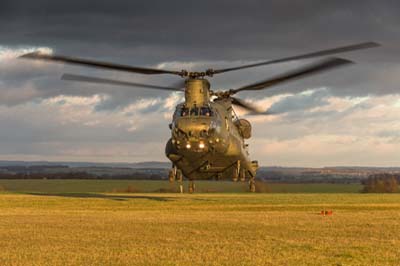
(216, 229)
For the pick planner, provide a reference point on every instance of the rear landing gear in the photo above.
(176, 174)
(252, 185)
(235, 175)
(179, 175)
(242, 175)
(236, 171)
(191, 187)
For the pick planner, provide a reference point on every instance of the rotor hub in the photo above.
(194, 75)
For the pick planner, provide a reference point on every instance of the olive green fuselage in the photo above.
(207, 138)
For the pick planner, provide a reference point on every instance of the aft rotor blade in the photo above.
(342, 49)
(245, 105)
(98, 64)
(81, 78)
(303, 72)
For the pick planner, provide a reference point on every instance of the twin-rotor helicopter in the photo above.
(207, 137)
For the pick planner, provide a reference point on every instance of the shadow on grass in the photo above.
(103, 196)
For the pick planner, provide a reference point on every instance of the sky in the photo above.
(347, 116)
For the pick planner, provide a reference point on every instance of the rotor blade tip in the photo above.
(65, 77)
(341, 60)
(29, 55)
(373, 44)
(36, 55)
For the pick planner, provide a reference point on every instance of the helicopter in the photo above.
(208, 139)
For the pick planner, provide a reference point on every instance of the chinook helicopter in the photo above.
(207, 137)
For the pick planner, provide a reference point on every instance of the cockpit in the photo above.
(195, 111)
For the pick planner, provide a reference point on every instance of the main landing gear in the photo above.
(176, 174)
(240, 173)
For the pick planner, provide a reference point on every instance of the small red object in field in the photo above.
(326, 212)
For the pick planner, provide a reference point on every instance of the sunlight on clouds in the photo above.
(172, 100)
(350, 136)
(358, 100)
(141, 104)
(201, 65)
(7, 53)
(170, 103)
(74, 100)
(320, 149)
(353, 130)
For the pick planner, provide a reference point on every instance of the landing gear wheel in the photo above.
(218, 176)
(242, 175)
(179, 175)
(235, 175)
(191, 186)
(236, 171)
(252, 185)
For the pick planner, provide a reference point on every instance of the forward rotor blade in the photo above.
(98, 64)
(342, 49)
(73, 77)
(315, 68)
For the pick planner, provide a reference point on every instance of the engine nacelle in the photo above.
(244, 127)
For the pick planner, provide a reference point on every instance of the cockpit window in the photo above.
(196, 111)
(184, 111)
(205, 111)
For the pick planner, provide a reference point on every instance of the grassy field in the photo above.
(199, 229)
(84, 186)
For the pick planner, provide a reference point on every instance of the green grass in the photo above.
(92, 186)
(199, 229)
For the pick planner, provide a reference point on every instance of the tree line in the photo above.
(381, 183)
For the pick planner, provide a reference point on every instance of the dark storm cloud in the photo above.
(196, 30)
(149, 32)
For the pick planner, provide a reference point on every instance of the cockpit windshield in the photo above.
(196, 111)
(184, 111)
(205, 111)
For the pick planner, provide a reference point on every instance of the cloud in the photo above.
(346, 116)
(300, 102)
(8, 53)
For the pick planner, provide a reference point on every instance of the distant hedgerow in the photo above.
(381, 183)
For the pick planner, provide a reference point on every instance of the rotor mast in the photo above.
(197, 92)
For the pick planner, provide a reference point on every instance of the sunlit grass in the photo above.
(202, 229)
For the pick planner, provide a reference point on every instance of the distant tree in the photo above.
(381, 183)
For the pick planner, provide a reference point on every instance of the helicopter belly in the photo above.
(209, 164)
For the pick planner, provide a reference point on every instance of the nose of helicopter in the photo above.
(195, 135)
